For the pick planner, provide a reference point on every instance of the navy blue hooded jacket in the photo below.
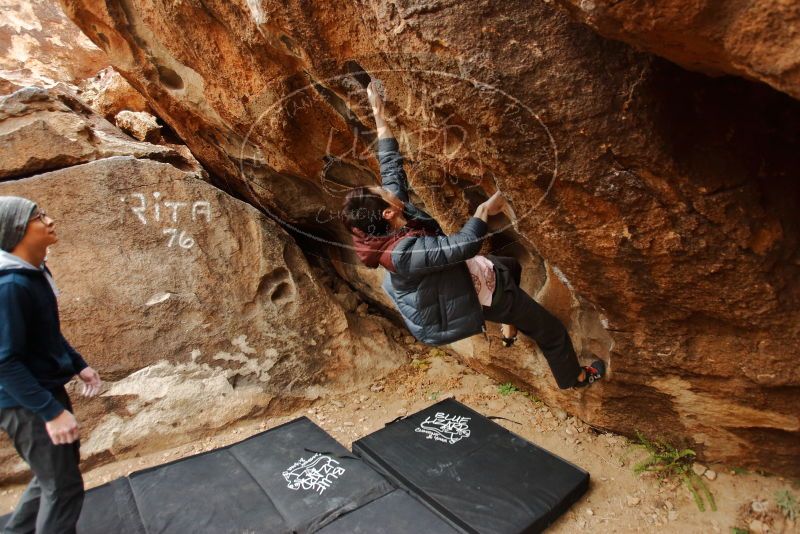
(34, 356)
(427, 278)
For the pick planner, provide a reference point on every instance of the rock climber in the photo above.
(36, 361)
(442, 288)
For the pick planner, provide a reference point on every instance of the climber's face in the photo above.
(394, 213)
(388, 196)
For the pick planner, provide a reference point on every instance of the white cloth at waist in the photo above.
(481, 269)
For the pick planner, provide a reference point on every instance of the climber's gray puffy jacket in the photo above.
(431, 286)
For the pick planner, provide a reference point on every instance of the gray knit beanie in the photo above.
(15, 212)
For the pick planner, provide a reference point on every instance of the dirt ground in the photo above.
(618, 500)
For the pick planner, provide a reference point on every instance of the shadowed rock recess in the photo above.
(656, 208)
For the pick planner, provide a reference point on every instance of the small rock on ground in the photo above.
(699, 469)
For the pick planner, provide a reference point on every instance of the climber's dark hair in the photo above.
(363, 209)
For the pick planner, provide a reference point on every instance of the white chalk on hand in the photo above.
(378, 85)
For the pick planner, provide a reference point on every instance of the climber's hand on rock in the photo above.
(375, 99)
(495, 204)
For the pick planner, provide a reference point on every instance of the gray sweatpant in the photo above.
(53, 499)
(512, 305)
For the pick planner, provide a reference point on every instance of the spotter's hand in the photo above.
(91, 382)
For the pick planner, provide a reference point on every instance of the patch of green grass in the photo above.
(507, 389)
(740, 471)
(535, 400)
(436, 353)
(787, 504)
(422, 364)
(737, 530)
(433, 395)
(667, 461)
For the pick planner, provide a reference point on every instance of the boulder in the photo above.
(658, 205)
(196, 309)
(140, 124)
(757, 40)
(43, 129)
(40, 46)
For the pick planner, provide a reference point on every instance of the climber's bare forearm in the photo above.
(383, 129)
(377, 104)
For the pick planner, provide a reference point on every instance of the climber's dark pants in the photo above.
(511, 305)
(51, 504)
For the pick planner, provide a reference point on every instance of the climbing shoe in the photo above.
(508, 341)
(594, 372)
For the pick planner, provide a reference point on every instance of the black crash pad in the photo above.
(394, 513)
(107, 508)
(211, 492)
(473, 472)
(292, 478)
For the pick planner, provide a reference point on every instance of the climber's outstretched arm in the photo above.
(375, 100)
(393, 176)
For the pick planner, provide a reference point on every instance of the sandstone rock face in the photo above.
(40, 46)
(656, 208)
(197, 309)
(43, 130)
(758, 40)
(108, 94)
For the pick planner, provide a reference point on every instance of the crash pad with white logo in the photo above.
(292, 478)
(474, 473)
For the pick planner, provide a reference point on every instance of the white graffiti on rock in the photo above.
(170, 212)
